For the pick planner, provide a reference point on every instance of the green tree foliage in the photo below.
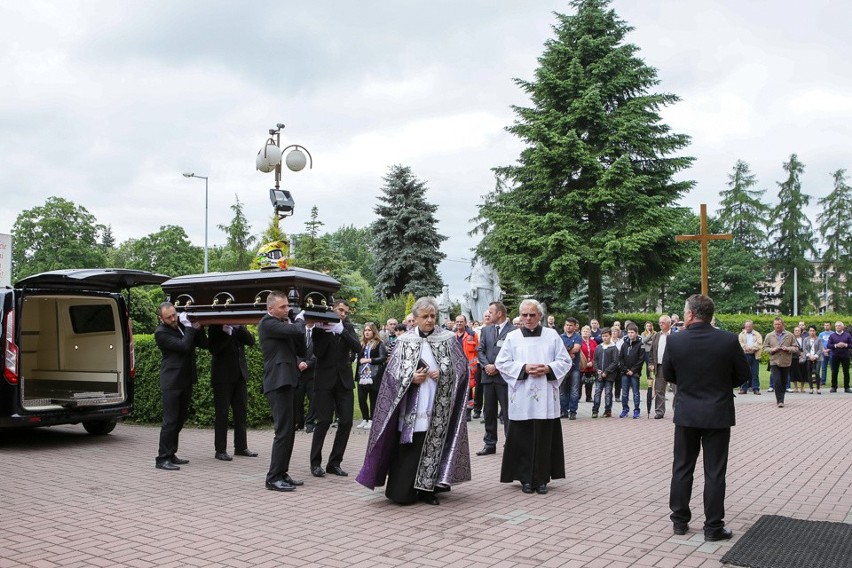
(168, 251)
(742, 213)
(353, 244)
(315, 252)
(732, 271)
(56, 235)
(237, 253)
(406, 243)
(143, 310)
(593, 190)
(793, 238)
(835, 227)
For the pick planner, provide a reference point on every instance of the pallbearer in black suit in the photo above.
(706, 364)
(177, 341)
(307, 365)
(281, 342)
(229, 377)
(335, 346)
(495, 389)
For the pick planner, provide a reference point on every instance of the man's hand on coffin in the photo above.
(336, 328)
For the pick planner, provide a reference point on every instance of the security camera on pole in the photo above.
(269, 159)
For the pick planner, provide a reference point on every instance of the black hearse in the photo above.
(68, 348)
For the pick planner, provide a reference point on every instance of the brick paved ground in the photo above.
(69, 499)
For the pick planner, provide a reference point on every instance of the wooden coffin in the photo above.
(231, 298)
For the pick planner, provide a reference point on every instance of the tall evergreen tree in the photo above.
(406, 243)
(273, 232)
(237, 254)
(314, 251)
(793, 239)
(741, 263)
(835, 227)
(742, 213)
(593, 191)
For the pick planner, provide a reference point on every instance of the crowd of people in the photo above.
(419, 383)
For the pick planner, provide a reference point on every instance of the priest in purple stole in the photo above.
(418, 442)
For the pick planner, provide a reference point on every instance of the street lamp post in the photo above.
(269, 159)
(192, 175)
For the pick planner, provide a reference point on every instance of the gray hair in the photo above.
(665, 318)
(530, 302)
(424, 303)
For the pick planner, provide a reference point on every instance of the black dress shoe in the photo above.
(442, 488)
(279, 485)
(487, 451)
(527, 487)
(718, 534)
(309, 428)
(246, 452)
(177, 461)
(658, 417)
(336, 470)
(680, 528)
(541, 489)
(223, 456)
(292, 481)
(428, 497)
(166, 465)
(317, 471)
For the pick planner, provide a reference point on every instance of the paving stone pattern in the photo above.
(70, 499)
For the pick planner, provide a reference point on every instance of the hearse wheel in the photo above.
(99, 427)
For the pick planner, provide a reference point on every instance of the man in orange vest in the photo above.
(468, 341)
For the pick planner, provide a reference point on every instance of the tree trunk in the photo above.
(595, 292)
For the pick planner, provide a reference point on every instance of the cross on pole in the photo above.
(704, 237)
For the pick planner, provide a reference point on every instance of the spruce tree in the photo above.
(793, 239)
(237, 254)
(741, 263)
(406, 243)
(835, 227)
(593, 191)
(314, 251)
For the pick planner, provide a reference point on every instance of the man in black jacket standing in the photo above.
(229, 377)
(335, 347)
(706, 364)
(281, 343)
(495, 389)
(177, 341)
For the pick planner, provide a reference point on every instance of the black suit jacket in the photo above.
(177, 368)
(706, 364)
(281, 344)
(229, 354)
(335, 353)
(488, 349)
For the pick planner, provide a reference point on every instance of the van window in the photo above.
(93, 318)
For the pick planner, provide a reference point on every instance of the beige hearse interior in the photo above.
(72, 351)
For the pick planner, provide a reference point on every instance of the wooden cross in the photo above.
(704, 237)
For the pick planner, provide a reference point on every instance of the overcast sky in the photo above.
(105, 103)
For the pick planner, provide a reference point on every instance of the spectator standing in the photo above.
(826, 354)
(838, 346)
(606, 367)
(371, 365)
(468, 342)
(569, 395)
(752, 344)
(781, 346)
(493, 384)
(812, 351)
(632, 358)
(587, 356)
(658, 351)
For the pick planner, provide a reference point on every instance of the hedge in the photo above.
(147, 405)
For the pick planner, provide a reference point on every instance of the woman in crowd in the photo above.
(587, 348)
(371, 365)
(647, 340)
(797, 368)
(812, 348)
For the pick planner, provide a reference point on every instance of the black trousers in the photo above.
(340, 401)
(230, 396)
(835, 363)
(687, 443)
(403, 469)
(494, 393)
(367, 400)
(281, 402)
(478, 392)
(305, 388)
(175, 411)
